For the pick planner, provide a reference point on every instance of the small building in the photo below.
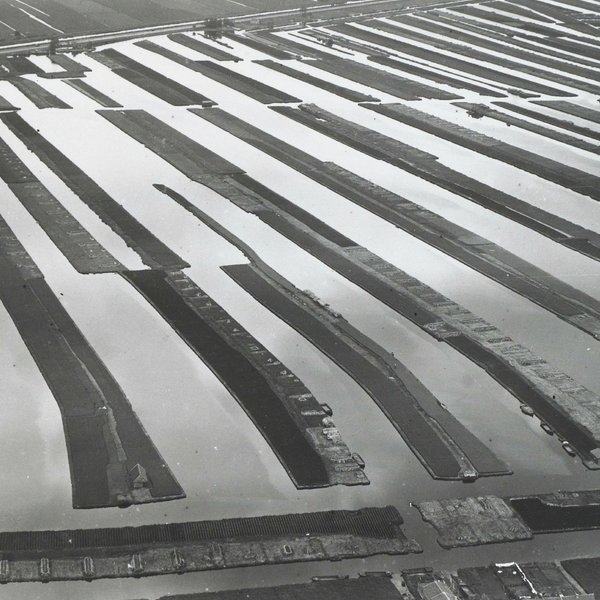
(139, 477)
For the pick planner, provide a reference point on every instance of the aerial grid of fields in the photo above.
(287, 283)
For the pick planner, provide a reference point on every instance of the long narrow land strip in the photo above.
(37, 94)
(282, 408)
(91, 92)
(446, 448)
(360, 588)
(506, 48)
(338, 90)
(550, 120)
(384, 81)
(537, 69)
(404, 66)
(80, 248)
(149, 80)
(202, 47)
(488, 73)
(483, 110)
(261, 92)
(87, 554)
(571, 109)
(106, 443)
(152, 251)
(546, 168)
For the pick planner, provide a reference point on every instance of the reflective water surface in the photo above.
(220, 459)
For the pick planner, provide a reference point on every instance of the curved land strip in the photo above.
(446, 448)
(440, 452)
(80, 248)
(565, 301)
(277, 402)
(477, 520)
(152, 251)
(202, 545)
(149, 80)
(483, 110)
(106, 444)
(570, 409)
(551, 170)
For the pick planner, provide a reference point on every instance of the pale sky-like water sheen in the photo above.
(218, 456)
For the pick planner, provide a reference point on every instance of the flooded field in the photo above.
(213, 449)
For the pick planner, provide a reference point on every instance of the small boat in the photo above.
(569, 449)
(327, 409)
(547, 428)
(527, 410)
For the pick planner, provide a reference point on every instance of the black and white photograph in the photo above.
(299, 299)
